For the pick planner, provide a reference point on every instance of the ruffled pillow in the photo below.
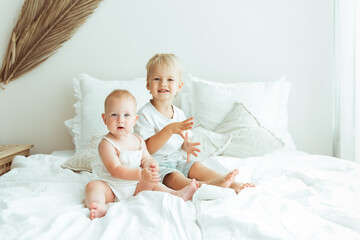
(90, 94)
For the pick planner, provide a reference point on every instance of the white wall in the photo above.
(227, 40)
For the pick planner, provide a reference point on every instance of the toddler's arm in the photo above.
(158, 140)
(190, 147)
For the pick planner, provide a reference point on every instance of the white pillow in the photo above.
(239, 135)
(90, 94)
(248, 138)
(212, 143)
(210, 102)
(84, 158)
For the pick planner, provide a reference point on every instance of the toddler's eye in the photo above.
(156, 79)
(127, 115)
(170, 79)
(114, 115)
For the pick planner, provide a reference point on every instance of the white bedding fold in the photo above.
(40, 200)
(300, 197)
(297, 196)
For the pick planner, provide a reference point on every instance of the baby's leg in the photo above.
(144, 185)
(97, 194)
(208, 176)
(186, 193)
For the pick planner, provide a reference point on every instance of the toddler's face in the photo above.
(164, 82)
(120, 116)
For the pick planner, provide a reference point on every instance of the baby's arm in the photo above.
(150, 166)
(147, 160)
(110, 159)
(158, 140)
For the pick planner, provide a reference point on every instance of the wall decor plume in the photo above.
(41, 29)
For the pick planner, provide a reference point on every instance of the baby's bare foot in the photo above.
(238, 186)
(224, 181)
(188, 191)
(97, 210)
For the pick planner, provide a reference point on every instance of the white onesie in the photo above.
(123, 189)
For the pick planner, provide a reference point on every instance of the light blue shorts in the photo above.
(181, 166)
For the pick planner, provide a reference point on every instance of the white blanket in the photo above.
(297, 196)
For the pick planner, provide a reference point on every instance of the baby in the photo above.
(125, 167)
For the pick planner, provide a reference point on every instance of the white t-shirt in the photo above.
(151, 122)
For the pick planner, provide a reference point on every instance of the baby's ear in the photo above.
(147, 85)
(135, 119)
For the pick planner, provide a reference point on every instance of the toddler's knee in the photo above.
(173, 175)
(197, 165)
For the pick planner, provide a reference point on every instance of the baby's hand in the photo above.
(155, 166)
(150, 174)
(180, 127)
(190, 147)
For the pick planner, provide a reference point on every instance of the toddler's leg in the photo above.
(176, 180)
(202, 173)
(97, 194)
(238, 186)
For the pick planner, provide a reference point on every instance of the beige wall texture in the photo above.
(225, 41)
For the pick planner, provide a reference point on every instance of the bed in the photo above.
(297, 195)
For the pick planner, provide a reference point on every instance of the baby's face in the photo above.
(120, 116)
(164, 82)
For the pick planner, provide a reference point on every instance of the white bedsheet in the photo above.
(297, 196)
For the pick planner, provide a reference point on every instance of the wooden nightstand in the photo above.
(7, 154)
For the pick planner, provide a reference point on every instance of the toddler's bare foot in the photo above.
(224, 181)
(97, 210)
(237, 186)
(188, 191)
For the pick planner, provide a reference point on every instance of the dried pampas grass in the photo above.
(42, 27)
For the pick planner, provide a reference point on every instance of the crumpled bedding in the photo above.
(297, 196)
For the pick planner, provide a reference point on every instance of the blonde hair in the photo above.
(120, 93)
(164, 59)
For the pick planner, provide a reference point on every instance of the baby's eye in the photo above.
(170, 79)
(115, 115)
(156, 79)
(127, 115)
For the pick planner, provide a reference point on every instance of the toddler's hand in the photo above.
(190, 147)
(180, 127)
(150, 175)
